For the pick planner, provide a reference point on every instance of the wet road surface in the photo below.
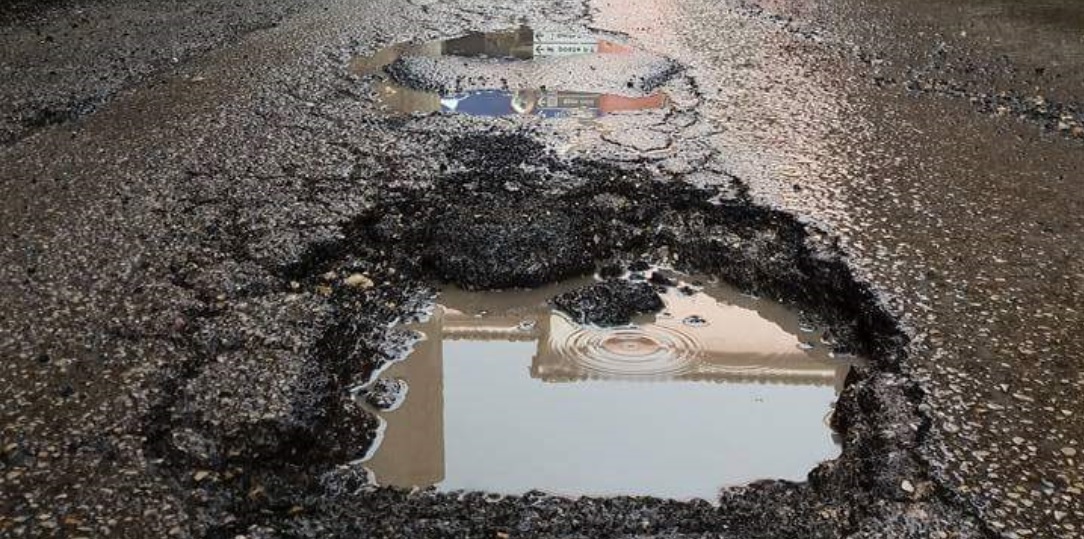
(202, 256)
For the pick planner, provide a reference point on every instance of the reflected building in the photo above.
(411, 450)
(522, 43)
(517, 43)
(526, 43)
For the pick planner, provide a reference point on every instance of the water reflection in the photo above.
(508, 396)
(526, 43)
(519, 44)
(535, 101)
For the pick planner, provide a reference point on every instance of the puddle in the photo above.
(516, 45)
(496, 103)
(506, 396)
(527, 43)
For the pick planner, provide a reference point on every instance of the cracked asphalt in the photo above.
(212, 231)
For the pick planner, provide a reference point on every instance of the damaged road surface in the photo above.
(289, 271)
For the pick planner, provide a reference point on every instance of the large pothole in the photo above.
(504, 213)
(487, 208)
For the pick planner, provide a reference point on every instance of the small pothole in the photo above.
(509, 395)
(524, 102)
(421, 78)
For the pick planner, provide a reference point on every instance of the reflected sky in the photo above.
(526, 102)
(674, 440)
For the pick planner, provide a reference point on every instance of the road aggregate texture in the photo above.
(612, 302)
(212, 232)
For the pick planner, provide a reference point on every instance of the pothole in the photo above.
(508, 394)
(501, 209)
(552, 73)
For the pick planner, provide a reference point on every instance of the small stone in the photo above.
(295, 510)
(1068, 451)
(1058, 515)
(907, 486)
(257, 493)
(661, 280)
(201, 475)
(385, 394)
(358, 280)
(179, 323)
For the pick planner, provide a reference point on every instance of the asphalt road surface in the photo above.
(187, 189)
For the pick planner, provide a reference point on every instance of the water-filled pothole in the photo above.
(534, 101)
(506, 395)
(504, 94)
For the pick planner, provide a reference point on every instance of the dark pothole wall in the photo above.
(508, 213)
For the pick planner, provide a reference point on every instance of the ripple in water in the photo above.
(648, 350)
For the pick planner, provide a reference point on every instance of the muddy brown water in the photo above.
(518, 44)
(507, 395)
